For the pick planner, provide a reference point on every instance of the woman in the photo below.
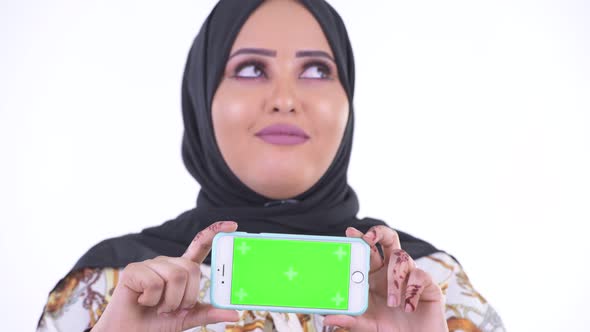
(267, 106)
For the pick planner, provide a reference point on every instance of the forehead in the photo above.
(283, 25)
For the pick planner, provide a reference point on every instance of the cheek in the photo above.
(330, 116)
(233, 113)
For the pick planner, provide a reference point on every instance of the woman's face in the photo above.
(280, 111)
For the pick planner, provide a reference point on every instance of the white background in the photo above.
(472, 133)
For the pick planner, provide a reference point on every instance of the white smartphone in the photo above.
(290, 273)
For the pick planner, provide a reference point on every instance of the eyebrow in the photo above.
(322, 54)
(273, 53)
(257, 51)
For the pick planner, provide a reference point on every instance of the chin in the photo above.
(280, 183)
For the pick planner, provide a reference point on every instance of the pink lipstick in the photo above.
(283, 134)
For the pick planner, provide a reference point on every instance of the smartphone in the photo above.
(290, 273)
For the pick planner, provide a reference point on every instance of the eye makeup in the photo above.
(322, 67)
(259, 66)
(260, 69)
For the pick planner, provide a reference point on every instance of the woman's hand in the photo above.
(161, 294)
(402, 297)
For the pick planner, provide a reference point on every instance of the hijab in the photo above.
(327, 208)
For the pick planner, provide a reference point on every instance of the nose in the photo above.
(283, 98)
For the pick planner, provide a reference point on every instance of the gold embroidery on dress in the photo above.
(257, 324)
(461, 324)
(443, 284)
(203, 292)
(112, 279)
(249, 321)
(442, 262)
(66, 294)
(63, 292)
(94, 301)
(463, 282)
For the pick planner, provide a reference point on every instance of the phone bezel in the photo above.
(221, 269)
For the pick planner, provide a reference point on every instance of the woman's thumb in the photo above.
(203, 314)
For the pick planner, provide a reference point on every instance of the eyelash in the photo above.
(257, 64)
(261, 66)
(321, 66)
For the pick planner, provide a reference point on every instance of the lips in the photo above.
(283, 134)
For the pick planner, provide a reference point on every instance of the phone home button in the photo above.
(358, 277)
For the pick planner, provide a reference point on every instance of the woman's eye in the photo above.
(249, 71)
(316, 71)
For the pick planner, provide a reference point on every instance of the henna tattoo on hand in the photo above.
(196, 238)
(402, 257)
(212, 228)
(215, 227)
(412, 291)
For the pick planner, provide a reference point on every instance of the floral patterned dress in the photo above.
(78, 301)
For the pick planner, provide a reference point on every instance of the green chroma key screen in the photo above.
(290, 273)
